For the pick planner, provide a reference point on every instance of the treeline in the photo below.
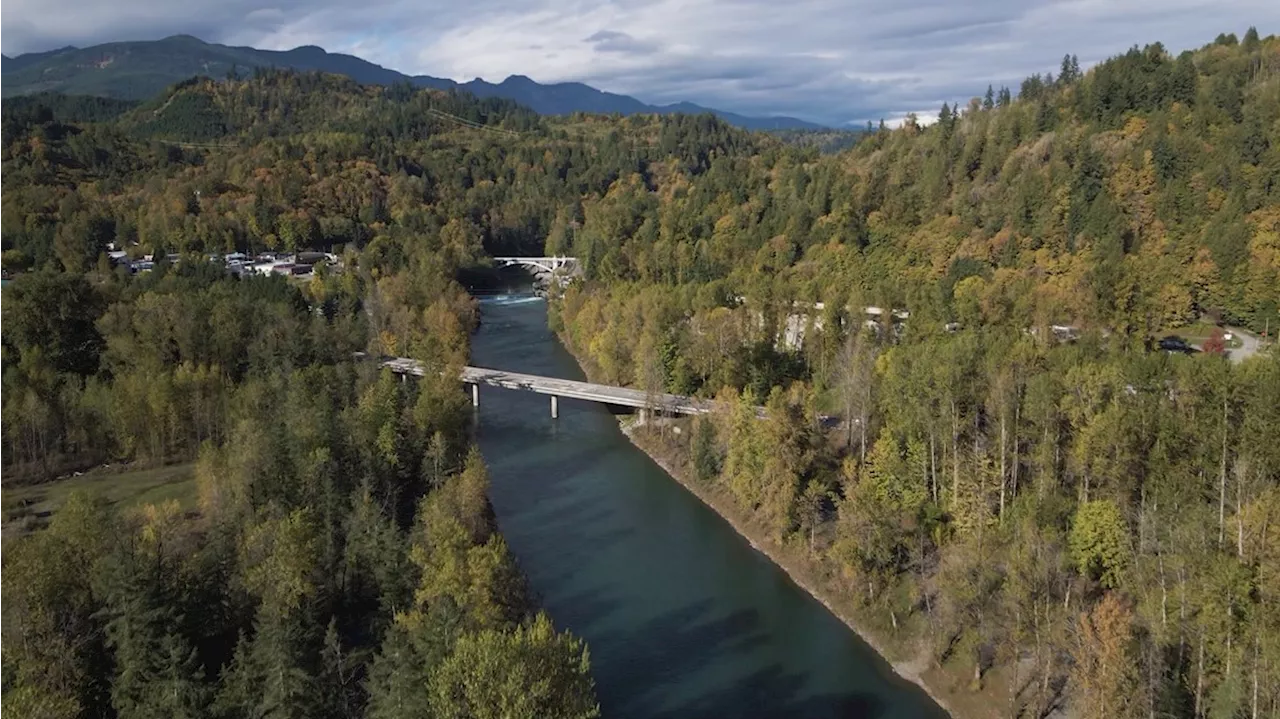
(182, 336)
(1066, 513)
(1117, 199)
(42, 107)
(317, 161)
(341, 559)
(825, 141)
(276, 103)
(1092, 519)
(105, 368)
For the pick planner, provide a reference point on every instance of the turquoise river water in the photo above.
(682, 616)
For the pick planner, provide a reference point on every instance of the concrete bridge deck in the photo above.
(540, 264)
(589, 391)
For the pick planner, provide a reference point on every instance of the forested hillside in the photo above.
(1080, 522)
(341, 558)
(288, 160)
(1090, 522)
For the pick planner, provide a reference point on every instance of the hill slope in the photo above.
(1009, 507)
(138, 70)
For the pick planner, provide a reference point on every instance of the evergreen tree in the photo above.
(398, 681)
(945, 119)
(178, 688)
(284, 683)
(1007, 487)
(1066, 74)
(238, 690)
(338, 678)
(1251, 41)
(1045, 117)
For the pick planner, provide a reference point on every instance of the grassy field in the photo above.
(35, 503)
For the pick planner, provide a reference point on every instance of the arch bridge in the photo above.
(552, 265)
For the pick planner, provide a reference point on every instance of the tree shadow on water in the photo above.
(546, 468)
(583, 611)
(663, 659)
(582, 522)
(578, 547)
(663, 652)
(773, 693)
(575, 512)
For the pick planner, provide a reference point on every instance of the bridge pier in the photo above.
(617, 399)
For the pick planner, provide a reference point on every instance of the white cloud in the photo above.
(894, 120)
(831, 60)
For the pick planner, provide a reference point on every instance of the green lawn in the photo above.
(1198, 333)
(34, 503)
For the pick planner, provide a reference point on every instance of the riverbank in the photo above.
(803, 572)
(949, 686)
(683, 617)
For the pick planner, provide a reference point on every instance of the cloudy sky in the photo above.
(834, 61)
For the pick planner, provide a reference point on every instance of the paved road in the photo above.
(606, 394)
(1250, 344)
(603, 393)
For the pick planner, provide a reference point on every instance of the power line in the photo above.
(198, 145)
(441, 114)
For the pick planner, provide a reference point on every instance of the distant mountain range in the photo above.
(139, 70)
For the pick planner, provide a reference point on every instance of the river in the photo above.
(683, 617)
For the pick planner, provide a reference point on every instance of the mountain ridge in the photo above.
(137, 70)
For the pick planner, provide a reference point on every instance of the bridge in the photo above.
(539, 264)
(557, 388)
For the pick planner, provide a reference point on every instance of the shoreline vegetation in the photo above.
(799, 569)
(1058, 510)
(907, 663)
(332, 552)
(1063, 510)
